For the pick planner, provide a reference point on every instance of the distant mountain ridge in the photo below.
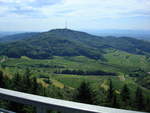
(2, 34)
(138, 34)
(66, 42)
(17, 36)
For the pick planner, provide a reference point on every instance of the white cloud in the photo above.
(95, 9)
(94, 12)
(86, 8)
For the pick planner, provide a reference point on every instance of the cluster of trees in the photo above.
(144, 81)
(142, 77)
(81, 72)
(28, 84)
(110, 98)
(46, 66)
(138, 73)
(84, 94)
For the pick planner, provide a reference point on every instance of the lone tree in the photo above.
(84, 93)
(26, 81)
(147, 104)
(2, 83)
(35, 85)
(115, 101)
(17, 82)
(139, 99)
(110, 92)
(125, 94)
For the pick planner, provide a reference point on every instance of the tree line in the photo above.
(85, 93)
(81, 72)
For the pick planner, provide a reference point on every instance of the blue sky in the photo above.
(42, 15)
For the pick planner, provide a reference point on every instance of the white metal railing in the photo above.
(43, 104)
(5, 111)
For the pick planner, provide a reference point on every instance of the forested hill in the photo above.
(129, 44)
(65, 42)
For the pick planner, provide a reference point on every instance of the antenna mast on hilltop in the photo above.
(66, 25)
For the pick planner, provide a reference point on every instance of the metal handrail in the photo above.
(44, 103)
(5, 111)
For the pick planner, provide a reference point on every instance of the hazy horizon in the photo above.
(139, 34)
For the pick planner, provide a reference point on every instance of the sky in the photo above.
(43, 15)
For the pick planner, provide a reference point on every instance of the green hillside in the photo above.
(65, 42)
(126, 60)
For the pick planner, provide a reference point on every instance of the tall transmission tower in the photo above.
(66, 25)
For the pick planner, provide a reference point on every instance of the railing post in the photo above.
(40, 109)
